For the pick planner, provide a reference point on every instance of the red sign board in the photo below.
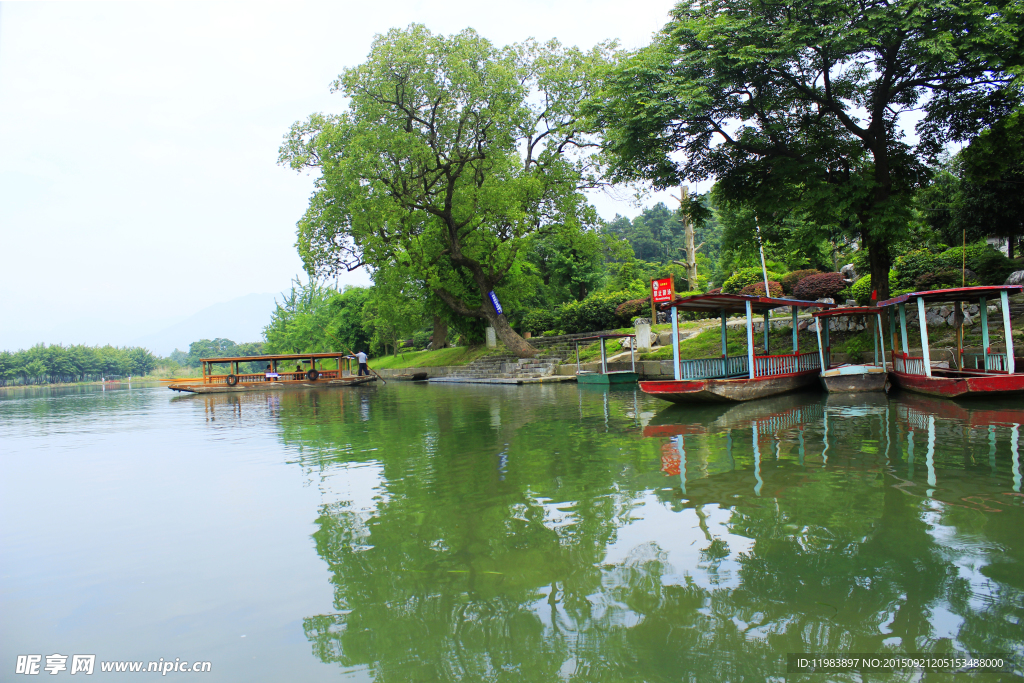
(662, 290)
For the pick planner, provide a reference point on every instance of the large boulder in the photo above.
(849, 272)
(1016, 278)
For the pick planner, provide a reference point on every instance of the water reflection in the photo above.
(566, 533)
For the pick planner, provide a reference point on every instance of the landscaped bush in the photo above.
(913, 265)
(538, 320)
(595, 313)
(757, 289)
(990, 265)
(789, 281)
(861, 290)
(747, 276)
(823, 286)
(944, 279)
(634, 308)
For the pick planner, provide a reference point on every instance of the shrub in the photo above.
(757, 289)
(747, 276)
(856, 347)
(913, 265)
(823, 286)
(716, 290)
(991, 266)
(538, 320)
(789, 281)
(634, 308)
(944, 279)
(861, 290)
(596, 312)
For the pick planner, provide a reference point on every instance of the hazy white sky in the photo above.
(138, 142)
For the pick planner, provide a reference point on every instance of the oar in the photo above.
(351, 353)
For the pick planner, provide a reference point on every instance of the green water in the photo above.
(415, 532)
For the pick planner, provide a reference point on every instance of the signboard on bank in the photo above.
(662, 290)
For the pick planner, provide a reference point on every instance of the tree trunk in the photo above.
(691, 251)
(880, 261)
(509, 337)
(440, 338)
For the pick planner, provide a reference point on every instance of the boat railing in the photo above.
(907, 364)
(785, 364)
(248, 378)
(712, 368)
(996, 361)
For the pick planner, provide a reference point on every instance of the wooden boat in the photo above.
(311, 377)
(736, 378)
(604, 376)
(994, 373)
(851, 378)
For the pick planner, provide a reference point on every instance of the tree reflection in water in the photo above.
(491, 548)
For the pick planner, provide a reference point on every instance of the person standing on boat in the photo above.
(361, 357)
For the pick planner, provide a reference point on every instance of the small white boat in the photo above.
(852, 378)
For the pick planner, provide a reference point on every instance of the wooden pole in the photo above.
(1008, 331)
(750, 341)
(984, 330)
(922, 321)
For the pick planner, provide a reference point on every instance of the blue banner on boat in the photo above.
(494, 300)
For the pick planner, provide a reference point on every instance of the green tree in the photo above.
(451, 153)
(797, 105)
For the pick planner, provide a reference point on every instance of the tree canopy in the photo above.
(451, 153)
(797, 106)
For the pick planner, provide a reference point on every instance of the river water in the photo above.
(415, 532)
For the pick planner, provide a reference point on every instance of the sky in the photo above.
(139, 180)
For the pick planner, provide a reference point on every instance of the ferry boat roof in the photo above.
(603, 336)
(955, 294)
(273, 357)
(737, 303)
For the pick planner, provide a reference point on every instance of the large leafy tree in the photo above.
(452, 151)
(796, 106)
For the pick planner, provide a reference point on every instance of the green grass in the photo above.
(460, 355)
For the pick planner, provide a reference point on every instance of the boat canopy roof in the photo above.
(603, 336)
(955, 294)
(274, 356)
(847, 310)
(737, 303)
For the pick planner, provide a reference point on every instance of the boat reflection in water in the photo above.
(897, 438)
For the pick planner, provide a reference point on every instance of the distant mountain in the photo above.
(240, 320)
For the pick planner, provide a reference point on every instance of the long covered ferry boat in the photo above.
(736, 378)
(989, 373)
(308, 372)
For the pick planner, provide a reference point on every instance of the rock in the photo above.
(802, 325)
(968, 320)
(844, 324)
(849, 272)
(944, 311)
(851, 302)
(951, 320)
(825, 301)
(973, 309)
(1016, 278)
(932, 319)
(664, 338)
(813, 327)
